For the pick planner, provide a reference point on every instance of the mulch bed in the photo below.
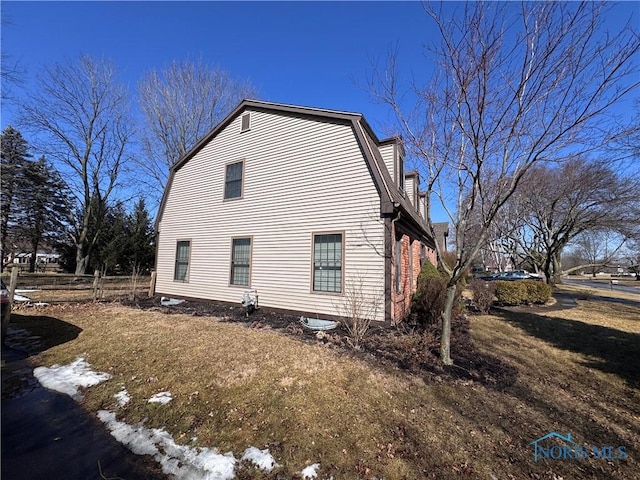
(414, 351)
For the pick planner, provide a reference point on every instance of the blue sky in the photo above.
(304, 53)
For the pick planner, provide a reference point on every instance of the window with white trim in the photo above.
(181, 270)
(240, 261)
(327, 262)
(233, 180)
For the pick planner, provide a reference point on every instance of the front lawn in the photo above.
(574, 371)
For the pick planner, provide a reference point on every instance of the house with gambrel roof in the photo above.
(301, 204)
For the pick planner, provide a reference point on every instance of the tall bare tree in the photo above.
(180, 105)
(12, 73)
(80, 114)
(512, 86)
(596, 249)
(558, 203)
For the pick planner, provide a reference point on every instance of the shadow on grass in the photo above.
(613, 351)
(34, 334)
(419, 353)
(622, 301)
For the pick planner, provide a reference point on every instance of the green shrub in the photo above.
(428, 270)
(538, 292)
(483, 294)
(511, 293)
(522, 292)
(429, 300)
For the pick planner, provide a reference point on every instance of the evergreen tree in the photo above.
(41, 207)
(111, 242)
(14, 154)
(141, 252)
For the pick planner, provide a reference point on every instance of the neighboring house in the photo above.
(304, 205)
(44, 258)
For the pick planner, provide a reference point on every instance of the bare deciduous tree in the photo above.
(80, 116)
(180, 105)
(558, 203)
(512, 86)
(597, 248)
(12, 73)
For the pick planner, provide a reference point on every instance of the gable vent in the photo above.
(246, 122)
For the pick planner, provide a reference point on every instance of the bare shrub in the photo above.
(483, 294)
(134, 280)
(358, 309)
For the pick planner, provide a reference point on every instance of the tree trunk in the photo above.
(445, 341)
(557, 269)
(32, 259)
(81, 262)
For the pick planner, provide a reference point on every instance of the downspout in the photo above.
(396, 205)
(392, 241)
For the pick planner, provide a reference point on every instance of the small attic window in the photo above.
(246, 122)
(400, 173)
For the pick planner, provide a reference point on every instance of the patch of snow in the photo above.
(122, 397)
(184, 462)
(169, 302)
(20, 298)
(260, 458)
(181, 461)
(310, 471)
(137, 438)
(161, 397)
(68, 379)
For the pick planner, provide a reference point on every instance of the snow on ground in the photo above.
(260, 458)
(20, 298)
(310, 471)
(161, 397)
(68, 378)
(122, 397)
(181, 461)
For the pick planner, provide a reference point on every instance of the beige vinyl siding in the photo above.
(387, 151)
(422, 208)
(409, 188)
(300, 176)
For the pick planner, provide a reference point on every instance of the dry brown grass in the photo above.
(234, 386)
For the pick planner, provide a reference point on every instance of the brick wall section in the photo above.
(431, 255)
(410, 254)
(416, 247)
(410, 262)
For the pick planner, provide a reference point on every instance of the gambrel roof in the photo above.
(392, 199)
